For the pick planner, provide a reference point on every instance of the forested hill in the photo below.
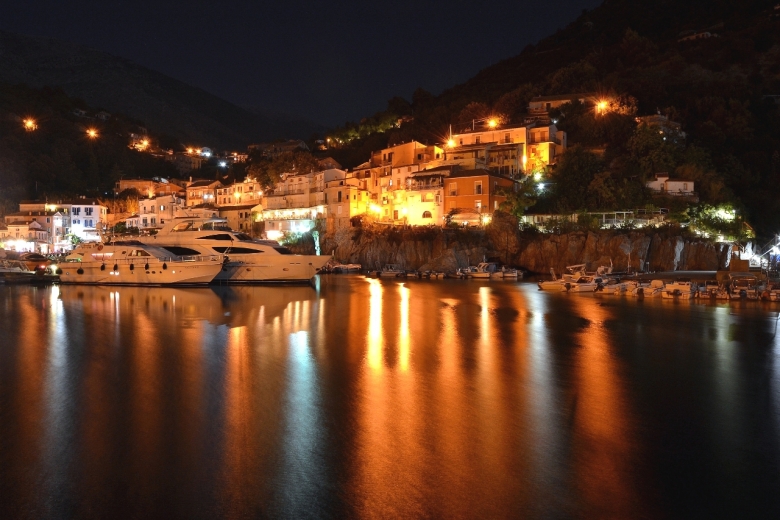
(55, 157)
(719, 88)
(115, 84)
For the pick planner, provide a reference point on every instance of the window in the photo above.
(395, 214)
(685, 188)
(495, 205)
(476, 140)
(477, 187)
(478, 205)
(453, 189)
(338, 210)
(77, 211)
(506, 137)
(427, 214)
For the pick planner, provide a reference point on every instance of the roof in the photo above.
(237, 208)
(200, 184)
(479, 172)
(31, 214)
(565, 97)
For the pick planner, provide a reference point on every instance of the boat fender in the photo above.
(641, 291)
(132, 267)
(743, 293)
(102, 267)
(80, 270)
(567, 285)
(57, 271)
(146, 266)
(100, 247)
(165, 266)
(116, 267)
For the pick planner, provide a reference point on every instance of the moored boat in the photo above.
(130, 262)
(681, 289)
(15, 271)
(249, 260)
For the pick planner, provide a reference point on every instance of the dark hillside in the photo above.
(115, 84)
(718, 87)
(58, 158)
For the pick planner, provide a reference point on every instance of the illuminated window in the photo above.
(427, 214)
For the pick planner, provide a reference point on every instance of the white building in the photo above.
(677, 187)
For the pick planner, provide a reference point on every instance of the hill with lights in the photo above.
(118, 85)
(713, 67)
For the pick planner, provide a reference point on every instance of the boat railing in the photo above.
(144, 259)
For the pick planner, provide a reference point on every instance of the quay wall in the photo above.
(448, 249)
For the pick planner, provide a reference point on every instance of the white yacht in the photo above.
(130, 262)
(249, 260)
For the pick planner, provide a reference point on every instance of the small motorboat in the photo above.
(681, 289)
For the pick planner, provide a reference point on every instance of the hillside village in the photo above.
(460, 181)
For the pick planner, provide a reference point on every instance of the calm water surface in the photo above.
(381, 398)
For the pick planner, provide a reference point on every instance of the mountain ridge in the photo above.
(117, 84)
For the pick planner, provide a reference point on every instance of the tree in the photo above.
(522, 197)
(576, 170)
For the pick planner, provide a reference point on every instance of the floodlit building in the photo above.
(153, 213)
(479, 191)
(241, 217)
(248, 191)
(505, 151)
(202, 192)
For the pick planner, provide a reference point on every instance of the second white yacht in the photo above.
(249, 260)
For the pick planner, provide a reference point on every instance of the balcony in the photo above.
(426, 186)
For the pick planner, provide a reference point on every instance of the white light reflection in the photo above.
(303, 468)
(544, 407)
(403, 331)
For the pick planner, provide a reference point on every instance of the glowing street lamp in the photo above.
(30, 125)
(601, 106)
(492, 123)
(451, 143)
(92, 133)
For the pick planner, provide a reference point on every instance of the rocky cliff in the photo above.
(448, 249)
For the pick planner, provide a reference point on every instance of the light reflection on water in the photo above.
(368, 397)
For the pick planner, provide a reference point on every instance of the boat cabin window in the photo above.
(183, 226)
(216, 237)
(181, 251)
(139, 252)
(236, 250)
(243, 237)
(283, 250)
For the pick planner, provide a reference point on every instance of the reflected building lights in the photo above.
(376, 340)
(403, 331)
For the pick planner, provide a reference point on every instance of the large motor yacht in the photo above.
(129, 262)
(249, 260)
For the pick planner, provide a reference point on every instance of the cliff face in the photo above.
(446, 250)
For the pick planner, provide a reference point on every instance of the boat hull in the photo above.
(276, 269)
(172, 273)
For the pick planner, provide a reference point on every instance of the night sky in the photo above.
(326, 61)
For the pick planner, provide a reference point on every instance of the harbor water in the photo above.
(385, 398)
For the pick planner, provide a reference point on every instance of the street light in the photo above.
(492, 122)
(30, 125)
(92, 133)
